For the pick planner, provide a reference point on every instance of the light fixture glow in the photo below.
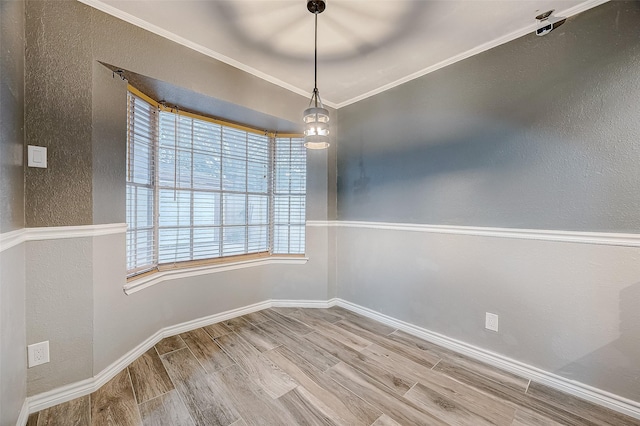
(316, 117)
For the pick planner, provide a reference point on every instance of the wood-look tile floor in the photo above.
(288, 366)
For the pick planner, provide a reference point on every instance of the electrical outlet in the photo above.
(38, 353)
(491, 322)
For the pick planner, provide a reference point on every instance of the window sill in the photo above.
(148, 280)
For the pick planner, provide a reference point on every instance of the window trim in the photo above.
(150, 278)
(161, 272)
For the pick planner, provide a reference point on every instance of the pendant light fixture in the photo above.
(316, 117)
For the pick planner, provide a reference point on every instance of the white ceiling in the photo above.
(364, 46)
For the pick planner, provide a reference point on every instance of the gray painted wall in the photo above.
(538, 133)
(13, 368)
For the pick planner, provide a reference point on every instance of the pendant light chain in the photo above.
(315, 60)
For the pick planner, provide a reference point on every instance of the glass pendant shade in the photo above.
(316, 128)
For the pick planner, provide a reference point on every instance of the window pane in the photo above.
(234, 174)
(257, 179)
(206, 171)
(206, 243)
(258, 237)
(234, 239)
(234, 209)
(174, 245)
(296, 239)
(206, 206)
(234, 143)
(175, 208)
(166, 167)
(258, 209)
(144, 210)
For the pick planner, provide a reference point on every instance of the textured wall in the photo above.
(58, 113)
(541, 132)
(11, 115)
(109, 148)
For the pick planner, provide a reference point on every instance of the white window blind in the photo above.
(289, 195)
(141, 235)
(210, 190)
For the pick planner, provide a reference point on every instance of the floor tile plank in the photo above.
(399, 409)
(76, 412)
(255, 406)
(259, 368)
(312, 321)
(206, 350)
(385, 420)
(235, 324)
(474, 401)
(258, 338)
(341, 405)
(114, 403)
(256, 317)
(165, 410)
(458, 411)
(169, 344)
(525, 417)
(425, 358)
(217, 330)
(290, 323)
(397, 383)
(343, 336)
(319, 358)
(206, 404)
(148, 376)
(303, 408)
(364, 322)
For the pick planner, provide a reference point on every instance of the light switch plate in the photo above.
(37, 156)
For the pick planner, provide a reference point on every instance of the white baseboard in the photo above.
(87, 386)
(283, 303)
(580, 390)
(24, 414)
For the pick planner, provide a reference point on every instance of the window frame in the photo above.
(147, 272)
